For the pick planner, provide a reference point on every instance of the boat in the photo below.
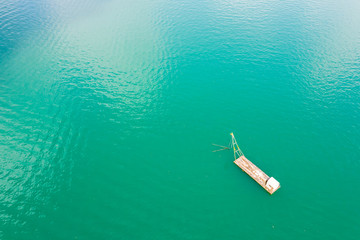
(270, 184)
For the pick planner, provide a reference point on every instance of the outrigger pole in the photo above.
(222, 147)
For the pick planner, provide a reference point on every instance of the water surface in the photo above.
(108, 110)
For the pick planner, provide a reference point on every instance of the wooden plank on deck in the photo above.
(253, 171)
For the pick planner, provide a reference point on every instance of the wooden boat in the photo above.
(268, 183)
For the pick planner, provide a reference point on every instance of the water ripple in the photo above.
(108, 110)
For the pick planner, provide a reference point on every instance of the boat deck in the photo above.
(253, 171)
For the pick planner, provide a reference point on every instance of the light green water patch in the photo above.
(108, 111)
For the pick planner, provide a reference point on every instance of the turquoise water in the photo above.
(108, 110)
